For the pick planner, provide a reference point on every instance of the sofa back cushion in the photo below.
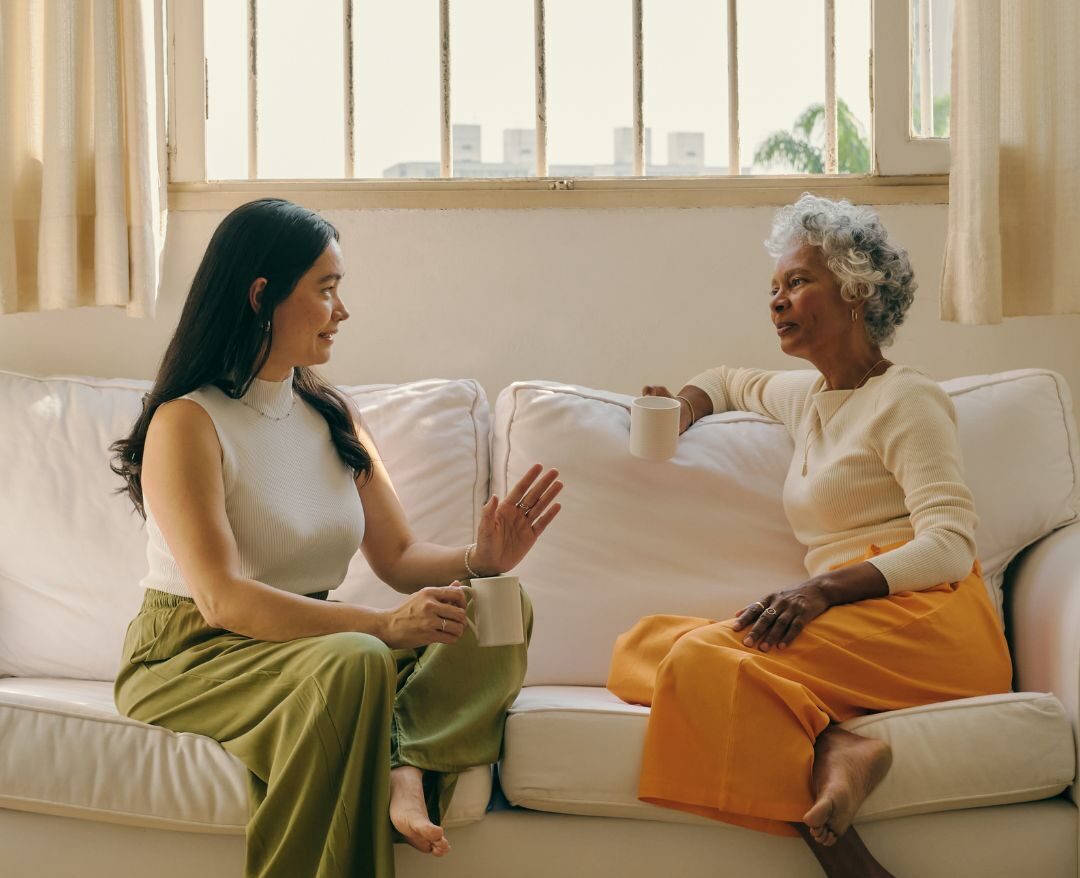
(72, 551)
(434, 438)
(705, 533)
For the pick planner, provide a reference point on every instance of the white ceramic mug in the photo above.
(496, 603)
(654, 427)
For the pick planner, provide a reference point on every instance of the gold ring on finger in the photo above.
(770, 611)
(442, 627)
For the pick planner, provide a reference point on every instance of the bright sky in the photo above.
(301, 94)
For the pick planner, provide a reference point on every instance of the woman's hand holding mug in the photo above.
(684, 409)
(430, 615)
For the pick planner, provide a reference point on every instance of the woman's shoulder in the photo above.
(900, 379)
(910, 390)
(185, 415)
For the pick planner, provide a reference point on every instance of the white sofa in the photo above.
(981, 787)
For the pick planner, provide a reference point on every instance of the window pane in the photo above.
(590, 92)
(685, 53)
(931, 66)
(853, 123)
(397, 88)
(781, 84)
(225, 23)
(492, 88)
(301, 93)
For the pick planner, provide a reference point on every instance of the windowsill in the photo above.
(584, 192)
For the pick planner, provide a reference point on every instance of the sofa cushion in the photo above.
(705, 534)
(72, 551)
(66, 751)
(577, 750)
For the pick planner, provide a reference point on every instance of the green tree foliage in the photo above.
(802, 149)
(942, 108)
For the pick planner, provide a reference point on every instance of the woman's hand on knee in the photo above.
(430, 615)
(778, 618)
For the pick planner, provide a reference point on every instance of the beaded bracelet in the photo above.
(468, 567)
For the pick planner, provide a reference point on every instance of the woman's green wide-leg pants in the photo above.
(319, 722)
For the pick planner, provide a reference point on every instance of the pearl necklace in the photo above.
(813, 437)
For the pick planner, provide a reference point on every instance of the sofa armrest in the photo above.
(1043, 609)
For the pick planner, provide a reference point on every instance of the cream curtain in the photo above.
(82, 154)
(1014, 187)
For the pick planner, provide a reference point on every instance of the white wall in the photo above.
(605, 298)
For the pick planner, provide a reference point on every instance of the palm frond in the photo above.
(782, 148)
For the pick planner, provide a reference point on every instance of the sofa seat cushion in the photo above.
(577, 750)
(67, 752)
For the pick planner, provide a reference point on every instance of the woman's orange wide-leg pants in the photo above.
(732, 729)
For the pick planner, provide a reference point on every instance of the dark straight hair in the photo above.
(222, 340)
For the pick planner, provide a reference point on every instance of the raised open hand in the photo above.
(510, 528)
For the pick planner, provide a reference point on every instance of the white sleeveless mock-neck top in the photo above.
(290, 499)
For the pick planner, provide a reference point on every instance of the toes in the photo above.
(432, 833)
(818, 816)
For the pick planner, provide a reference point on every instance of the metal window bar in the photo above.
(733, 87)
(253, 90)
(447, 162)
(540, 60)
(831, 164)
(347, 9)
(638, 90)
(926, 71)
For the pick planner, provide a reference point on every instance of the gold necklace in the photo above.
(812, 438)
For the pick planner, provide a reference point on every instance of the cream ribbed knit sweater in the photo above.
(290, 499)
(884, 468)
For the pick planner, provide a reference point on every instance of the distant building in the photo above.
(467, 145)
(686, 157)
(686, 149)
(624, 146)
(519, 146)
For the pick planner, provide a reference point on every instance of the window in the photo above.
(342, 90)
(931, 67)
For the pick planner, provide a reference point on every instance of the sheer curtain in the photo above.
(82, 154)
(1014, 187)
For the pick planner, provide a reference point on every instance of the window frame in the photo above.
(906, 169)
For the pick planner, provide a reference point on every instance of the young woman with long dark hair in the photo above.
(258, 483)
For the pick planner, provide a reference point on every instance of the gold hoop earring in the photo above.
(854, 315)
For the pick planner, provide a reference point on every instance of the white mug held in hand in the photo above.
(654, 427)
(497, 603)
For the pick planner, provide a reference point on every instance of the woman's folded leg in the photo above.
(451, 707)
(732, 729)
(310, 719)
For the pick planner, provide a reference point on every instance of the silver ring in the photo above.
(770, 611)
(442, 627)
(758, 604)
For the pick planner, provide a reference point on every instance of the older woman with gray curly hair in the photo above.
(744, 726)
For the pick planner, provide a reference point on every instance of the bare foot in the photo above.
(847, 767)
(409, 814)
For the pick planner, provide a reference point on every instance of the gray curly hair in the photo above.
(858, 251)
